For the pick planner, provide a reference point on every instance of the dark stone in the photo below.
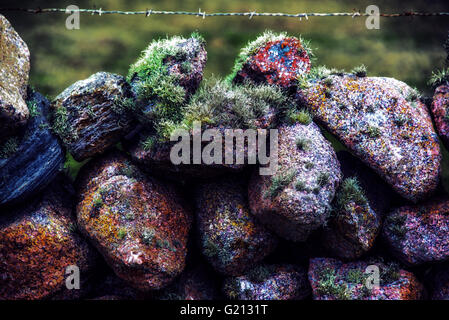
(35, 162)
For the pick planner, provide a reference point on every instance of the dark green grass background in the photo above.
(408, 49)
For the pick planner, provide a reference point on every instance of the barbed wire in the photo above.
(203, 14)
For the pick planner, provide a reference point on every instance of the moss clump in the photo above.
(400, 120)
(350, 192)
(252, 47)
(279, 182)
(302, 116)
(60, 125)
(373, 132)
(155, 87)
(9, 147)
(33, 108)
(97, 202)
(322, 72)
(327, 285)
(439, 78)
(356, 276)
(235, 106)
(122, 233)
(147, 236)
(359, 71)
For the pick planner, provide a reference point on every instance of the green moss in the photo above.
(360, 71)
(439, 78)
(235, 106)
(373, 132)
(155, 85)
(9, 147)
(122, 233)
(72, 167)
(97, 202)
(349, 192)
(33, 108)
(356, 276)
(302, 116)
(328, 93)
(328, 286)
(61, 126)
(279, 182)
(322, 72)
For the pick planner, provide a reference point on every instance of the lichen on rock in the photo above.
(140, 225)
(14, 73)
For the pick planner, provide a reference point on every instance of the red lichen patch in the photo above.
(333, 280)
(279, 62)
(440, 112)
(139, 224)
(298, 196)
(231, 239)
(380, 122)
(269, 282)
(418, 234)
(37, 244)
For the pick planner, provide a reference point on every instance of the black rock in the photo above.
(36, 160)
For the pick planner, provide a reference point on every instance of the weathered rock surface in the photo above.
(231, 239)
(167, 74)
(34, 158)
(14, 72)
(269, 282)
(381, 121)
(273, 59)
(440, 112)
(332, 279)
(296, 200)
(93, 114)
(418, 234)
(37, 243)
(358, 207)
(140, 225)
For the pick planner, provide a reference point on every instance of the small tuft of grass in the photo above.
(148, 143)
(300, 185)
(302, 116)
(302, 144)
(439, 78)
(322, 179)
(360, 71)
(280, 182)
(396, 225)
(259, 274)
(350, 192)
(60, 125)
